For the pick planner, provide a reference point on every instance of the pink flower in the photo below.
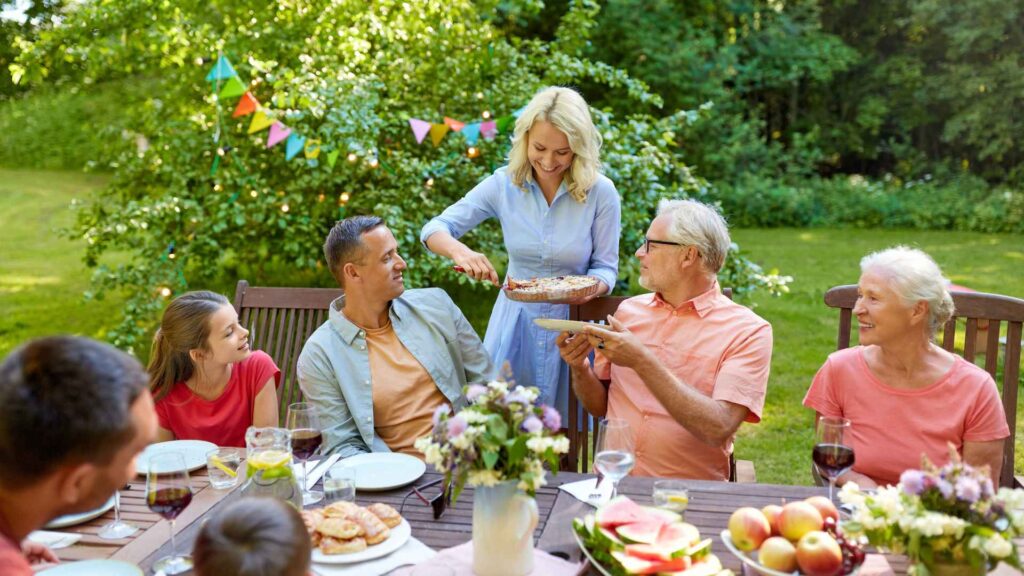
(913, 482)
(456, 426)
(532, 424)
(475, 391)
(552, 419)
(440, 411)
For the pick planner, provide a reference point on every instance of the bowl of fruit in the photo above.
(803, 537)
(623, 537)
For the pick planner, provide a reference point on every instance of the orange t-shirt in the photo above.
(710, 343)
(891, 427)
(404, 394)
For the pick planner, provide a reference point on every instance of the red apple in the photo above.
(797, 519)
(771, 512)
(748, 528)
(777, 553)
(818, 554)
(824, 506)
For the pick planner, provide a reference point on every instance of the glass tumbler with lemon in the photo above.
(670, 495)
(268, 470)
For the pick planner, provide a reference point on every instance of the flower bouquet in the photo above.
(940, 517)
(500, 436)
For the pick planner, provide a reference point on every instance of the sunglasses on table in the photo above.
(434, 494)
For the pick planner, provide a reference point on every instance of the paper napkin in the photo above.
(584, 491)
(54, 540)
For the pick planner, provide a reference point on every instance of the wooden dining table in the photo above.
(710, 505)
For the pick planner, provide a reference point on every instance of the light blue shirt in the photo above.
(334, 366)
(567, 237)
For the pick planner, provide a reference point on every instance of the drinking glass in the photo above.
(614, 457)
(670, 495)
(832, 455)
(340, 484)
(222, 465)
(307, 437)
(168, 492)
(118, 528)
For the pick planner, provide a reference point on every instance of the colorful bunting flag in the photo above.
(454, 124)
(489, 129)
(260, 121)
(519, 112)
(437, 132)
(420, 129)
(232, 89)
(247, 105)
(332, 157)
(278, 132)
(294, 145)
(312, 149)
(222, 70)
(471, 132)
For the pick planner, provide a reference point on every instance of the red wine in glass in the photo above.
(305, 441)
(832, 460)
(169, 502)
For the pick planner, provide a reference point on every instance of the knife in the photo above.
(320, 469)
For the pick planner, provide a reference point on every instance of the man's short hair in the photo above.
(64, 399)
(700, 225)
(344, 242)
(253, 536)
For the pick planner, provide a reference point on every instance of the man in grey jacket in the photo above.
(387, 358)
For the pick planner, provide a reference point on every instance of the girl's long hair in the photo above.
(185, 326)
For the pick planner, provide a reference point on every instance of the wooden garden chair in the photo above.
(973, 307)
(583, 425)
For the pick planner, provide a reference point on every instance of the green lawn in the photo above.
(42, 279)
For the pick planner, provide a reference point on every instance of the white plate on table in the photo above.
(383, 470)
(93, 568)
(564, 325)
(194, 452)
(72, 519)
(399, 536)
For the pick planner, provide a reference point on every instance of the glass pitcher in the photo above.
(269, 465)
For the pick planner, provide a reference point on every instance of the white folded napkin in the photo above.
(412, 552)
(585, 489)
(54, 540)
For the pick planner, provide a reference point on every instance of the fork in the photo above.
(596, 494)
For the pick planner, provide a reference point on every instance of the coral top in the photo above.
(225, 419)
(890, 428)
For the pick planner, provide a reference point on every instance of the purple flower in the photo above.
(456, 426)
(913, 482)
(440, 411)
(475, 391)
(945, 488)
(532, 424)
(987, 490)
(968, 489)
(552, 419)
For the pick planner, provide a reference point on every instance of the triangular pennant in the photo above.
(232, 89)
(294, 145)
(260, 121)
(519, 112)
(454, 124)
(489, 129)
(222, 70)
(437, 132)
(332, 157)
(471, 132)
(420, 129)
(247, 105)
(504, 122)
(312, 149)
(278, 132)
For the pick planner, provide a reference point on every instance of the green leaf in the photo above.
(490, 459)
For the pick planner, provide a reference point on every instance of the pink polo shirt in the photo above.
(890, 428)
(709, 343)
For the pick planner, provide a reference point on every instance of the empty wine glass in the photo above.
(118, 528)
(614, 457)
(832, 455)
(307, 437)
(168, 492)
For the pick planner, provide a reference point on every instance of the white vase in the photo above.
(503, 524)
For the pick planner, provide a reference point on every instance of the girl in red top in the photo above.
(207, 383)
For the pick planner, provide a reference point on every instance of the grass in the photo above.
(42, 279)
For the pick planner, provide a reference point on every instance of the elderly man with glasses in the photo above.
(684, 364)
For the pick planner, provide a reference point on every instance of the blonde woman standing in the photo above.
(559, 216)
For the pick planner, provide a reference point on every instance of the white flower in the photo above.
(498, 386)
(484, 477)
(997, 547)
(561, 445)
(529, 392)
(462, 441)
(474, 417)
(540, 444)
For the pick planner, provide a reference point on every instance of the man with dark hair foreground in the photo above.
(74, 414)
(387, 357)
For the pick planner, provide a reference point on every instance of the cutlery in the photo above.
(320, 469)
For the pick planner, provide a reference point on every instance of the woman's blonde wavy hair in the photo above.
(567, 111)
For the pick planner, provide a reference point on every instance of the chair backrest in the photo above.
(280, 320)
(582, 444)
(984, 315)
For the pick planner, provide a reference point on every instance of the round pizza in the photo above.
(552, 288)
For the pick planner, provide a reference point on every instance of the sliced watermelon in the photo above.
(608, 538)
(677, 536)
(666, 515)
(643, 532)
(634, 565)
(620, 510)
(709, 566)
(698, 550)
(649, 552)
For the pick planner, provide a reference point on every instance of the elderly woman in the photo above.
(903, 395)
(559, 216)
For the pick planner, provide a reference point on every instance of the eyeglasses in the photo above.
(438, 502)
(648, 242)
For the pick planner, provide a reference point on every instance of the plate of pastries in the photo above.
(343, 532)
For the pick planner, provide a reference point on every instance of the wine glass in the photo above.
(302, 420)
(832, 455)
(118, 528)
(168, 492)
(614, 457)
